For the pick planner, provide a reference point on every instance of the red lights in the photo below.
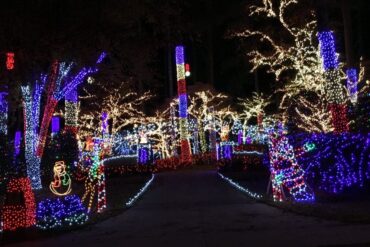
(10, 60)
(20, 208)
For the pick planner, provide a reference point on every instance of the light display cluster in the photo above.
(335, 161)
(19, 209)
(132, 200)
(183, 104)
(56, 92)
(333, 86)
(60, 212)
(285, 171)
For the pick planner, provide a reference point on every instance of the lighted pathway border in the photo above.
(240, 188)
(133, 199)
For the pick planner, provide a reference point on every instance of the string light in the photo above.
(61, 180)
(10, 60)
(335, 161)
(56, 93)
(61, 212)
(3, 113)
(71, 110)
(15, 215)
(95, 180)
(285, 170)
(352, 80)
(55, 124)
(241, 188)
(17, 143)
(183, 105)
(132, 200)
(333, 87)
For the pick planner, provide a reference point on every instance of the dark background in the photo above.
(140, 36)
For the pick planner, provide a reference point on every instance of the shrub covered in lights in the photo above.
(61, 212)
(334, 162)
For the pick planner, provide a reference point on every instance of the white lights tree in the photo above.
(199, 106)
(294, 54)
(122, 104)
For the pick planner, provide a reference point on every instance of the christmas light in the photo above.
(56, 92)
(55, 124)
(285, 171)
(335, 161)
(61, 180)
(95, 180)
(17, 143)
(241, 188)
(183, 107)
(333, 86)
(71, 110)
(61, 212)
(3, 113)
(9, 60)
(132, 200)
(31, 111)
(352, 80)
(15, 214)
(187, 70)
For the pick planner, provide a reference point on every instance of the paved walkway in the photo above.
(197, 208)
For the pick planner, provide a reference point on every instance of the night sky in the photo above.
(138, 36)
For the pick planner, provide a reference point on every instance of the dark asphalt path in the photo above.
(197, 208)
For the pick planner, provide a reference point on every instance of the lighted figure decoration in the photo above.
(183, 104)
(60, 212)
(71, 110)
(34, 139)
(3, 113)
(9, 60)
(352, 81)
(285, 170)
(62, 184)
(333, 86)
(19, 209)
(95, 180)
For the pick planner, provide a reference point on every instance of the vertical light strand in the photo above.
(352, 80)
(30, 138)
(3, 113)
(333, 87)
(183, 104)
(71, 110)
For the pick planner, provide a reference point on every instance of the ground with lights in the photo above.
(78, 158)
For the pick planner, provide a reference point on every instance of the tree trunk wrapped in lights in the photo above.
(183, 104)
(334, 89)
